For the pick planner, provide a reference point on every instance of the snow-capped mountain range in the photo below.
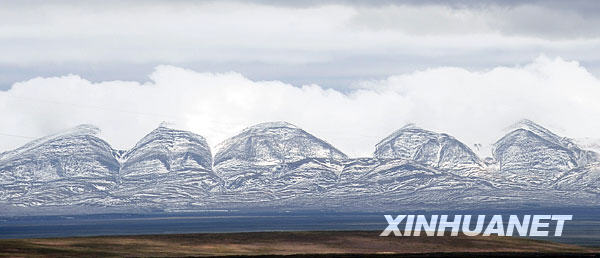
(278, 165)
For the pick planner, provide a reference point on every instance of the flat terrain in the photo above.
(325, 243)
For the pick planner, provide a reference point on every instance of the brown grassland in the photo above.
(314, 243)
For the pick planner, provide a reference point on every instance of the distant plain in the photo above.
(324, 243)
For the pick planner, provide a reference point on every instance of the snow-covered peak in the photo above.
(532, 150)
(73, 153)
(275, 143)
(80, 130)
(410, 126)
(434, 149)
(270, 125)
(409, 130)
(83, 129)
(539, 130)
(165, 149)
(166, 124)
(529, 129)
(172, 138)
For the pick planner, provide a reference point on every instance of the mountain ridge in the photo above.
(278, 164)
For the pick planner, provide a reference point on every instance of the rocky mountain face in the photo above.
(275, 143)
(167, 166)
(71, 167)
(280, 165)
(533, 154)
(425, 147)
(277, 160)
(406, 178)
(164, 150)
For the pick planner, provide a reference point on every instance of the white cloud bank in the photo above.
(473, 106)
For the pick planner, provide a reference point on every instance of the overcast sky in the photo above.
(350, 72)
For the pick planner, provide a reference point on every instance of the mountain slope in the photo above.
(275, 143)
(65, 168)
(429, 148)
(533, 155)
(277, 159)
(167, 165)
(279, 165)
(586, 178)
(375, 184)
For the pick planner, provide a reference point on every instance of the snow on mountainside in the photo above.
(280, 165)
(57, 156)
(167, 165)
(68, 167)
(275, 143)
(585, 178)
(164, 150)
(533, 154)
(426, 147)
(276, 160)
(402, 177)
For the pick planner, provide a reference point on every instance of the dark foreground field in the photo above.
(323, 243)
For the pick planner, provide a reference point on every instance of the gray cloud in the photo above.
(539, 18)
(331, 43)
